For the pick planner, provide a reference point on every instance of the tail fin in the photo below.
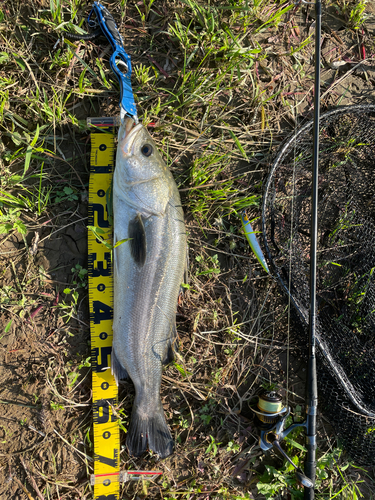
(149, 432)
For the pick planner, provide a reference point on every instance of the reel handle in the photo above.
(304, 480)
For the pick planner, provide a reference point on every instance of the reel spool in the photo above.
(268, 410)
(270, 417)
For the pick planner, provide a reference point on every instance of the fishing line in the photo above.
(290, 264)
(291, 243)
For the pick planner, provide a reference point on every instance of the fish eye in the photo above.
(146, 150)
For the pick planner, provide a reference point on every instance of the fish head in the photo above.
(142, 179)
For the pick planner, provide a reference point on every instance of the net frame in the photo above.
(344, 400)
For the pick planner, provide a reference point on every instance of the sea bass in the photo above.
(148, 271)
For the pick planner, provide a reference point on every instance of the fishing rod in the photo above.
(270, 414)
(312, 389)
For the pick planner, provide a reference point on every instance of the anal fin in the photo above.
(118, 371)
(171, 347)
(186, 269)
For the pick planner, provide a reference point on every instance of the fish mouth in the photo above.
(127, 134)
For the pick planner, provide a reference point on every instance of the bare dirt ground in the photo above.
(43, 348)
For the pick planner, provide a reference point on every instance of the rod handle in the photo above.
(310, 469)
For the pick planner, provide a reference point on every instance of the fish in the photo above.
(149, 262)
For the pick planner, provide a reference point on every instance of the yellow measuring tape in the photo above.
(107, 476)
(106, 479)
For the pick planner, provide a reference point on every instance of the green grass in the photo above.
(220, 85)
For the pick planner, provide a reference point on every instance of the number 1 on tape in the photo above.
(106, 479)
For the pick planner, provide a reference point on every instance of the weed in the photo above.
(98, 233)
(353, 11)
(211, 196)
(276, 482)
(56, 406)
(207, 266)
(123, 419)
(69, 310)
(67, 194)
(5, 435)
(207, 411)
(74, 374)
(183, 423)
(212, 447)
(79, 276)
(233, 447)
(10, 221)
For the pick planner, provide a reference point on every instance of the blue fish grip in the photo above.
(119, 61)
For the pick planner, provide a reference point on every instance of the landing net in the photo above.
(345, 262)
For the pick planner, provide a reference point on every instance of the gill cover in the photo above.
(141, 179)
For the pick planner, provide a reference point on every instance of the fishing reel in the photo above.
(270, 418)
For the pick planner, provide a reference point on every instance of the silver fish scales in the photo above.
(148, 272)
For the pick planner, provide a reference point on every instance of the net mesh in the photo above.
(345, 329)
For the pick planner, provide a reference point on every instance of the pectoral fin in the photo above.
(138, 240)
